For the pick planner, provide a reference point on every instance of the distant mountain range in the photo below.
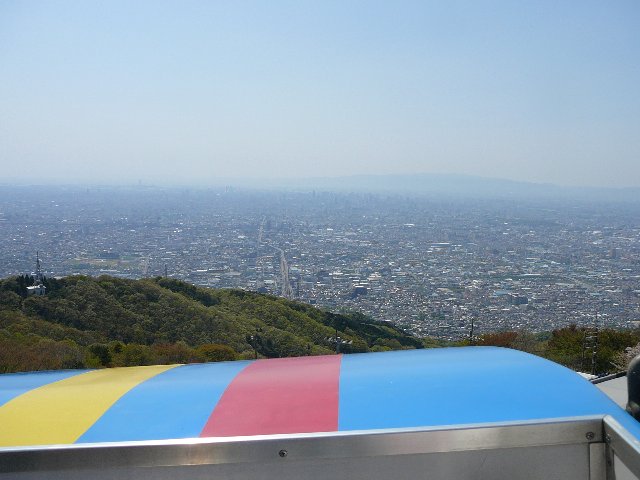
(445, 185)
(420, 184)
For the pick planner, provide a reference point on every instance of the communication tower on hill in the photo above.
(38, 287)
(590, 343)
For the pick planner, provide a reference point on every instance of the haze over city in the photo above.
(192, 92)
(431, 265)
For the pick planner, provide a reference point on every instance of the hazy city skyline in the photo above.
(189, 92)
(429, 265)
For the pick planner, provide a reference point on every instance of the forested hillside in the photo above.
(106, 321)
(569, 347)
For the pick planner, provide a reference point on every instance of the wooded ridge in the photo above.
(86, 322)
(106, 321)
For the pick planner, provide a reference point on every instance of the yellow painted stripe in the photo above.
(60, 412)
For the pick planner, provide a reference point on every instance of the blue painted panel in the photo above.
(460, 386)
(415, 388)
(174, 404)
(13, 385)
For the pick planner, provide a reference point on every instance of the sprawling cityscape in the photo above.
(433, 266)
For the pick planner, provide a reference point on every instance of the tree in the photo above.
(211, 352)
(101, 353)
(170, 353)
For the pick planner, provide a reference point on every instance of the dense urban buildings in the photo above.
(431, 265)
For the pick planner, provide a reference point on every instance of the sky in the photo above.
(189, 92)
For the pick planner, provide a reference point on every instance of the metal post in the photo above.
(471, 333)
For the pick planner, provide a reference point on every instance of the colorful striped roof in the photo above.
(404, 389)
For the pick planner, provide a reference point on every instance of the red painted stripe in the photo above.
(283, 395)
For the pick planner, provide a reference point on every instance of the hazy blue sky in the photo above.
(187, 91)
